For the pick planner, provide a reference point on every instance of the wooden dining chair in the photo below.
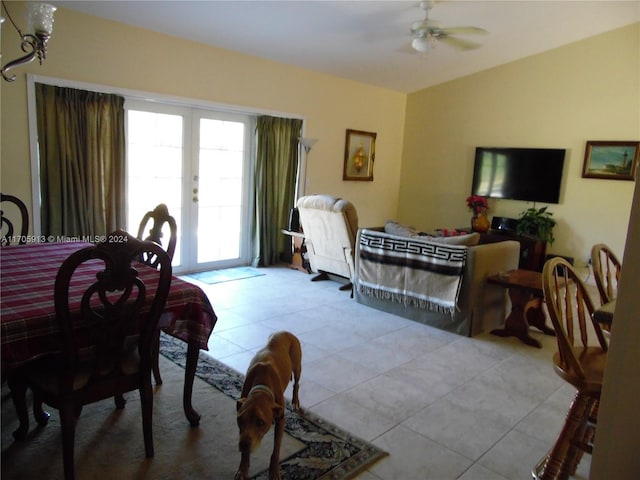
(606, 271)
(580, 361)
(13, 231)
(108, 327)
(155, 221)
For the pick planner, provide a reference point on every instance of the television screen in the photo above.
(530, 174)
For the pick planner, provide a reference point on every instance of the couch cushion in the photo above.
(469, 240)
(395, 228)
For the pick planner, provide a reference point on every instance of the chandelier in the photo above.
(34, 43)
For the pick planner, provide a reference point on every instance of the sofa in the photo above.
(440, 282)
(330, 225)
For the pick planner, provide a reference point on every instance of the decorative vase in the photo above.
(480, 222)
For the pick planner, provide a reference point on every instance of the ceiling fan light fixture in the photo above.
(428, 33)
(420, 44)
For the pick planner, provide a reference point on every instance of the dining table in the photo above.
(28, 324)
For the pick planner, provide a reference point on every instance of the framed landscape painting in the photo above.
(613, 160)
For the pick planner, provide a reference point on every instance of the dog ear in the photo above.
(239, 403)
(278, 411)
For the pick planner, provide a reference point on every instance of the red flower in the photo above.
(477, 204)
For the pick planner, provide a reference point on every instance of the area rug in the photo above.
(226, 275)
(109, 442)
(329, 452)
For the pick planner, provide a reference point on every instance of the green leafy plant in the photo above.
(536, 222)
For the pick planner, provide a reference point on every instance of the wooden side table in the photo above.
(299, 260)
(525, 292)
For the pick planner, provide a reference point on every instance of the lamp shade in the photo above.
(307, 143)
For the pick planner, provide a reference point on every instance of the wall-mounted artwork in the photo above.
(612, 160)
(359, 155)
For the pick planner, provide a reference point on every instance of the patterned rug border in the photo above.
(330, 453)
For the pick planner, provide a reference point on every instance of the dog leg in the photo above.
(274, 466)
(243, 469)
(295, 354)
(296, 387)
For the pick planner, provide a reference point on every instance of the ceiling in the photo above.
(368, 41)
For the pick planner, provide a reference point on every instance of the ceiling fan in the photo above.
(427, 33)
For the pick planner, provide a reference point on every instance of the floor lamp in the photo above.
(306, 143)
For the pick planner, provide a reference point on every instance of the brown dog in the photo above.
(262, 398)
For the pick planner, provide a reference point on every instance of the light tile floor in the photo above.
(442, 405)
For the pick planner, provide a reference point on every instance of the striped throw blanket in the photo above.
(416, 272)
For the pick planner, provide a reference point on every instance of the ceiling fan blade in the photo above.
(425, 24)
(459, 43)
(464, 31)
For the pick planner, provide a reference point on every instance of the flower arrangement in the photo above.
(477, 204)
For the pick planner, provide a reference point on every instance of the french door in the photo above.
(197, 162)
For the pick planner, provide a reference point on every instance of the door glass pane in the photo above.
(154, 162)
(221, 159)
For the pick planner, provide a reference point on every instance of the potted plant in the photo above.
(536, 222)
(479, 206)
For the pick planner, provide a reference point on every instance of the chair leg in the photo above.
(557, 463)
(536, 472)
(19, 396)
(155, 365)
(576, 445)
(120, 401)
(68, 426)
(321, 276)
(583, 441)
(146, 403)
(41, 416)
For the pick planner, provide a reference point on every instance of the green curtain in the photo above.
(81, 141)
(275, 183)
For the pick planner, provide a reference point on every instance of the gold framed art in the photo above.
(613, 160)
(359, 155)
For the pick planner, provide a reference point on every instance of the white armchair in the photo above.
(330, 226)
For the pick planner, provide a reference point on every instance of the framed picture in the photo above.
(613, 160)
(359, 155)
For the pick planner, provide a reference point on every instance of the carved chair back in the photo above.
(13, 231)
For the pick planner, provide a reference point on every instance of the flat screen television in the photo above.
(530, 174)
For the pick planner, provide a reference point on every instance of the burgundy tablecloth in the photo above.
(27, 314)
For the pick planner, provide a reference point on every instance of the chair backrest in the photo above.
(330, 226)
(606, 271)
(9, 230)
(571, 312)
(108, 306)
(155, 220)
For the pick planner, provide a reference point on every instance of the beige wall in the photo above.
(87, 49)
(589, 90)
